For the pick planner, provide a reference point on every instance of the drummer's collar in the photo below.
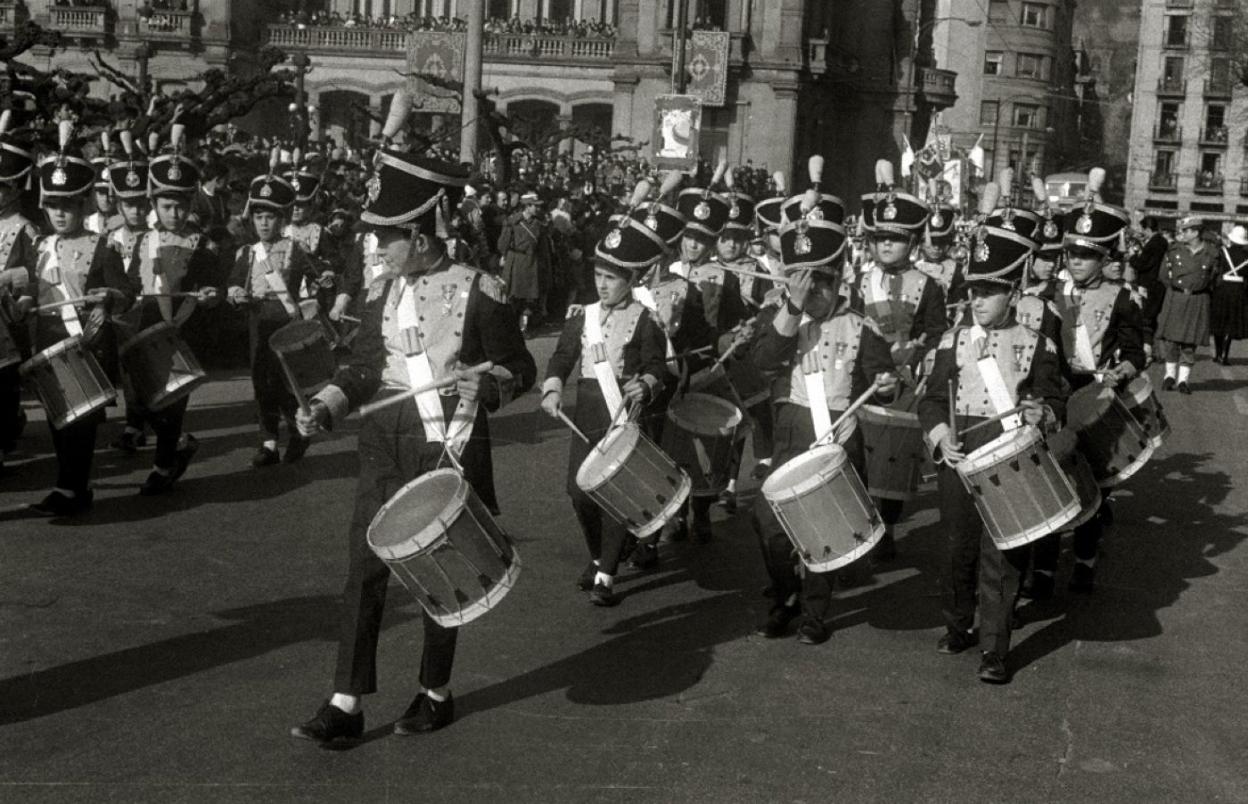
(443, 262)
(1091, 283)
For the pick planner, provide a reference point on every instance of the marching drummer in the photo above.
(619, 355)
(991, 366)
(1101, 339)
(17, 254)
(128, 177)
(823, 353)
(176, 268)
(74, 265)
(268, 276)
(908, 307)
(935, 258)
(426, 322)
(307, 231)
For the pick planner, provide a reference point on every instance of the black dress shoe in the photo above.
(677, 530)
(603, 595)
(885, 549)
(1040, 587)
(58, 504)
(761, 470)
(329, 725)
(1106, 514)
(645, 557)
(157, 483)
(296, 448)
(265, 457)
(812, 632)
(728, 499)
(777, 623)
(1184, 388)
(425, 715)
(1167, 384)
(586, 581)
(992, 669)
(952, 642)
(184, 456)
(1083, 579)
(129, 442)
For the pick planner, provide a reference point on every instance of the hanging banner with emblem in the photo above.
(706, 64)
(677, 129)
(440, 55)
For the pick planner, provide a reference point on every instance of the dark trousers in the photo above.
(10, 406)
(762, 431)
(75, 451)
(393, 452)
(794, 433)
(274, 401)
(167, 424)
(977, 565)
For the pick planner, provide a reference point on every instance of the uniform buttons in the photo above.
(385, 318)
(422, 318)
(422, 298)
(458, 333)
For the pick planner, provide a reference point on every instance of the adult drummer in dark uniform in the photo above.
(17, 254)
(427, 321)
(618, 354)
(1183, 324)
(74, 264)
(908, 306)
(1024, 370)
(813, 317)
(176, 268)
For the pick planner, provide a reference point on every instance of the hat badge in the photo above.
(1084, 224)
(132, 178)
(612, 240)
(296, 185)
(652, 221)
(801, 244)
(982, 251)
(1050, 230)
(58, 177)
(890, 211)
(734, 211)
(938, 220)
(266, 191)
(702, 211)
(815, 214)
(374, 188)
(175, 172)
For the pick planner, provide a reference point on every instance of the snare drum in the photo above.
(1019, 489)
(633, 480)
(1141, 400)
(441, 542)
(894, 445)
(701, 438)
(306, 355)
(160, 366)
(821, 503)
(69, 382)
(1110, 437)
(1081, 477)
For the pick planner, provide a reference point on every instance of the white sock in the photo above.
(134, 431)
(347, 703)
(1184, 372)
(604, 579)
(162, 471)
(765, 461)
(1045, 573)
(1171, 369)
(58, 490)
(439, 694)
(732, 486)
(270, 444)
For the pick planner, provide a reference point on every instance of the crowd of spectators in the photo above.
(585, 29)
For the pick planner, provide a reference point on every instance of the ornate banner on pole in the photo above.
(677, 126)
(440, 55)
(706, 64)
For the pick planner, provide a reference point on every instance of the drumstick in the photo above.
(573, 427)
(447, 382)
(989, 421)
(50, 306)
(689, 353)
(760, 274)
(853, 406)
(350, 318)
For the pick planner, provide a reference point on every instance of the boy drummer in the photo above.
(855, 355)
(619, 354)
(992, 366)
(17, 254)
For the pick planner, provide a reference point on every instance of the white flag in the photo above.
(977, 154)
(907, 158)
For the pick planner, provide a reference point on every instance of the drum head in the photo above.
(805, 472)
(605, 459)
(999, 449)
(1088, 405)
(296, 335)
(154, 331)
(413, 518)
(705, 414)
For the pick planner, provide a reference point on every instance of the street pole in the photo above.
(996, 128)
(472, 82)
(302, 64)
(1024, 170)
(678, 42)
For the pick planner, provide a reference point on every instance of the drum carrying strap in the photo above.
(1233, 274)
(373, 266)
(52, 275)
(643, 295)
(420, 373)
(1084, 356)
(164, 302)
(998, 394)
(603, 370)
(272, 276)
(816, 395)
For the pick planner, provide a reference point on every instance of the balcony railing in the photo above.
(1171, 86)
(1220, 87)
(546, 47)
(358, 41)
(166, 25)
(1208, 184)
(1164, 132)
(79, 20)
(938, 86)
(1215, 136)
(1163, 182)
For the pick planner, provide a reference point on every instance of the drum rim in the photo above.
(794, 490)
(315, 332)
(1102, 393)
(1026, 437)
(888, 417)
(46, 355)
(145, 334)
(734, 421)
(458, 501)
(601, 452)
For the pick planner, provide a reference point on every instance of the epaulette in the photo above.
(242, 252)
(950, 338)
(490, 285)
(1049, 346)
(375, 291)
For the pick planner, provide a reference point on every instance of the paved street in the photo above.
(161, 649)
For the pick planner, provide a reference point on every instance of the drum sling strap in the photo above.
(373, 267)
(1233, 274)
(1084, 353)
(603, 370)
(998, 394)
(817, 396)
(164, 302)
(420, 373)
(273, 277)
(53, 276)
(643, 295)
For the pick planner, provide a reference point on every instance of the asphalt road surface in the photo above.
(160, 649)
